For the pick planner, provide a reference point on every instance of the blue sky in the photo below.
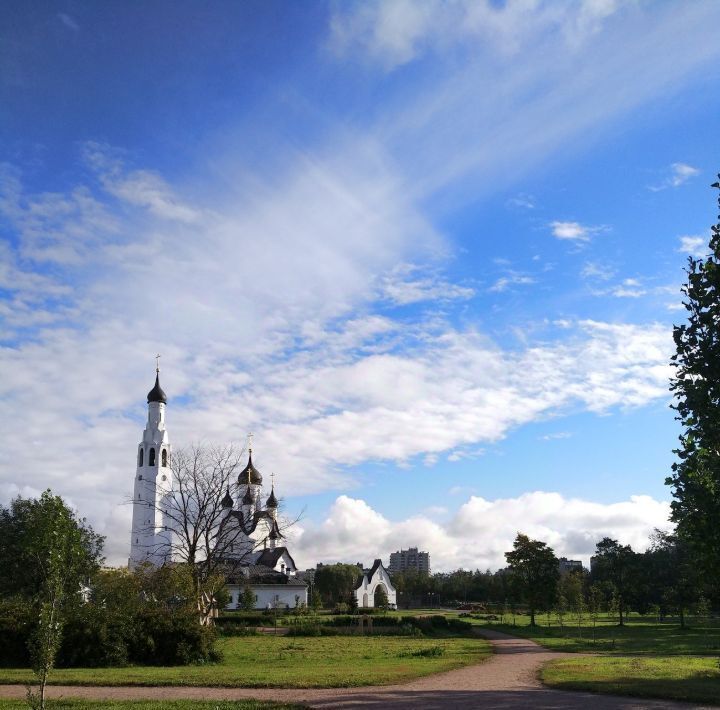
(429, 253)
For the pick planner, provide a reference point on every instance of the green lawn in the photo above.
(314, 662)
(689, 678)
(640, 635)
(153, 705)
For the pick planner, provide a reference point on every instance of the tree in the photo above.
(381, 598)
(49, 553)
(336, 583)
(696, 386)
(614, 564)
(247, 601)
(571, 589)
(535, 570)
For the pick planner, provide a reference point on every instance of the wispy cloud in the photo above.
(69, 21)
(408, 283)
(509, 280)
(556, 435)
(680, 173)
(693, 245)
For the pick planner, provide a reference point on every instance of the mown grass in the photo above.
(281, 662)
(639, 635)
(154, 705)
(688, 678)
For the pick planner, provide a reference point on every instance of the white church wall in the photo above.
(271, 596)
(365, 593)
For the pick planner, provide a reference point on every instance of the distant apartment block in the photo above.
(565, 565)
(410, 559)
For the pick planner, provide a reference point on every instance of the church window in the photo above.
(140, 477)
(151, 458)
(164, 457)
(140, 458)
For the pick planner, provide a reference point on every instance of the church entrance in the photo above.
(365, 600)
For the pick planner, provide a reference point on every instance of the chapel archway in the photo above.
(376, 600)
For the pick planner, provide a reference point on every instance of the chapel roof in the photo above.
(270, 557)
(272, 500)
(156, 394)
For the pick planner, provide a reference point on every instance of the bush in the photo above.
(17, 622)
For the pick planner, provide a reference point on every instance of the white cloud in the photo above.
(556, 435)
(574, 231)
(693, 245)
(408, 283)
(397, 32)
(477, 535)
(511, 279)
(680, 173)
(629, 288)
(594, 270)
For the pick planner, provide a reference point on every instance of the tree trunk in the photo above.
(682, 618)
(532, 616)
(621, 609)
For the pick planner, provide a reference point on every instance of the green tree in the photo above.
(614, 564)
(535, 570)
(571, 588)
(381, 598)
(316, 602)
(595, 600)
(336, 583)
(247, 600)
(696, 385)
(51, 553)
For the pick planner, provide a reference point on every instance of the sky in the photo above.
(429, 253)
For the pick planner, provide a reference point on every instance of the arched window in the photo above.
(151, 458)
(140, 458)
(164, 457)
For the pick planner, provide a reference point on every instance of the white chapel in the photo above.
(256, 559)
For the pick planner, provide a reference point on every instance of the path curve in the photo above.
(507, 681)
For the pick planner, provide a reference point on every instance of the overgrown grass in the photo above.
(267, 662)
(154, 705)
(687, 678)
(639, 635)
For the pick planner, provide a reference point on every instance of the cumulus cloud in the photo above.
(480, 531)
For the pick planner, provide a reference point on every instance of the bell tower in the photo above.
(151, 536)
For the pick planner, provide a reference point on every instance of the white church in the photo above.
(256, 558)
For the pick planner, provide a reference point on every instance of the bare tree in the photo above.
(203, 530)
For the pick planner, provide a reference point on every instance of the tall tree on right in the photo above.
(696, 386)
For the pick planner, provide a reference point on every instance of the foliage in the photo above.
(535, 570)
(381, 598)
(336, 583)
(613, 563)
(247, 600)
(696, 386)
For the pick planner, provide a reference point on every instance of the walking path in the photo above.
(507, 681)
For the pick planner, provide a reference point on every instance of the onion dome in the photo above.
(156, 394)
(247, 498)
(274, 534)
(227, 501)
(272, 500)
(250, 474)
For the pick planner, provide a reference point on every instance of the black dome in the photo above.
(272, 500)
(156, 394)
(251, 472)
(227, 501)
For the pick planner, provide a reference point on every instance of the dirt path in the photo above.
(507, 681)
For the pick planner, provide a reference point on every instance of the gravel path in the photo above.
(507, 681)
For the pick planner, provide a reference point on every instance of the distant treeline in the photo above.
(663, 581)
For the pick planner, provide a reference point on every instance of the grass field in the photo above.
(267, 661)
(153, 705)
(640, 635)
(687, 678)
